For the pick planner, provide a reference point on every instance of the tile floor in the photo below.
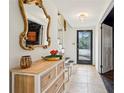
(85, 79)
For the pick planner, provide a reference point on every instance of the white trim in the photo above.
(37, 84)
(106, 11)
(12, 82)
(19, 73)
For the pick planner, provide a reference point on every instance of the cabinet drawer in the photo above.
(60, 68)
(47, 79)
(23, 84)
(61, 89)
(54, 88)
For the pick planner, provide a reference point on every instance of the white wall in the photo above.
(16, 27)
(98, 47)
(70, 43)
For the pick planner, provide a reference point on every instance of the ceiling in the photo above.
(71, 9)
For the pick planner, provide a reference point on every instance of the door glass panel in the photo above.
(84, 46)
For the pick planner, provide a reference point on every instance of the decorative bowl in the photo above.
(52, 57)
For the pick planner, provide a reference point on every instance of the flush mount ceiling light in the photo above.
(83, 16)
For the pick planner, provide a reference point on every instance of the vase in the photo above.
(25, 62)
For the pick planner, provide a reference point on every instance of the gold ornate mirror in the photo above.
(36, 25)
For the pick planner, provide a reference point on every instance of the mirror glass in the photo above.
(37, 25)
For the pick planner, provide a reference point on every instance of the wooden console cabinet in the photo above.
(41, 77)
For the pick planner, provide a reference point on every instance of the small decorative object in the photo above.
(53, 52)
(53, 56)
(25, 61)
(49, 58)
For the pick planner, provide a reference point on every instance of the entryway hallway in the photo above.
(85, 79)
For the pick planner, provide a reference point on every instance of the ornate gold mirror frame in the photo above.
(23, 35)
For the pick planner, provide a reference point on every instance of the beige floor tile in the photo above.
(91, 88)
(78, 88)
(85, 79)
(96, 88)
(79, 80)
(94, 81)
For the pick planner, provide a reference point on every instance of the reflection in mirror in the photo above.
(35, 34)
(36, 23)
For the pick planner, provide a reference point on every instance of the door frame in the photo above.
(91, 46)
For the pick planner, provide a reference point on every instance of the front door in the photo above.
(84, 46)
